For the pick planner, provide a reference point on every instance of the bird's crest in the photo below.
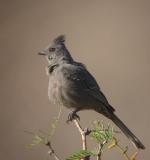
(60, 39)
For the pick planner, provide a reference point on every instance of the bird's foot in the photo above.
(87, 131)
(72, 116)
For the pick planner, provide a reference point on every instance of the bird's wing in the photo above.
(89, 84)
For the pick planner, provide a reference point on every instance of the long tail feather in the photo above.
(127, 132)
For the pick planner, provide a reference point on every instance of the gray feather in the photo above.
(60, 39)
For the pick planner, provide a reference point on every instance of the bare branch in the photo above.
(51, 151)
(100, 151)
(83, 134)
(124, 152)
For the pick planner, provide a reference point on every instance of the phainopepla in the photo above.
(71, 85)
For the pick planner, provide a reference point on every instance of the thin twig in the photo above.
(101, 145)
(51, 151)
(99, 152)
(83, 134)
(123, 152)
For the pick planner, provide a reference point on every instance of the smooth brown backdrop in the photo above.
(112, 37)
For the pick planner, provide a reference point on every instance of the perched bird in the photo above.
(71, 85)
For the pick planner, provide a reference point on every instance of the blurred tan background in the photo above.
(112, 37)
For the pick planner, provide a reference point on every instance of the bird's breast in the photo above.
(54, 90)
(60, 91)
(66, 91)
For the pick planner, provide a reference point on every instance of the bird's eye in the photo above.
(52, 49)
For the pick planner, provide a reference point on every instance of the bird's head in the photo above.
(56, 51)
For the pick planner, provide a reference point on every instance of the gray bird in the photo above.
(71, 85)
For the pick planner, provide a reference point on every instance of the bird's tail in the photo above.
(127, 132)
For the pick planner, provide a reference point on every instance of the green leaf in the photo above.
(101, 133)
(81, 154)
(55, 123)
(36, 141)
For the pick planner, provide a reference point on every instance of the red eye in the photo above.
(51, 49)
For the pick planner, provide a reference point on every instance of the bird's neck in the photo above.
(62, 60)
(52, 67)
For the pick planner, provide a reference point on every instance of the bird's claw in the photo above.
(87, 131)
(72, 116)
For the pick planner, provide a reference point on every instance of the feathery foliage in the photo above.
(81, 154)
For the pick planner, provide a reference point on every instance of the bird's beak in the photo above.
(42, 53)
